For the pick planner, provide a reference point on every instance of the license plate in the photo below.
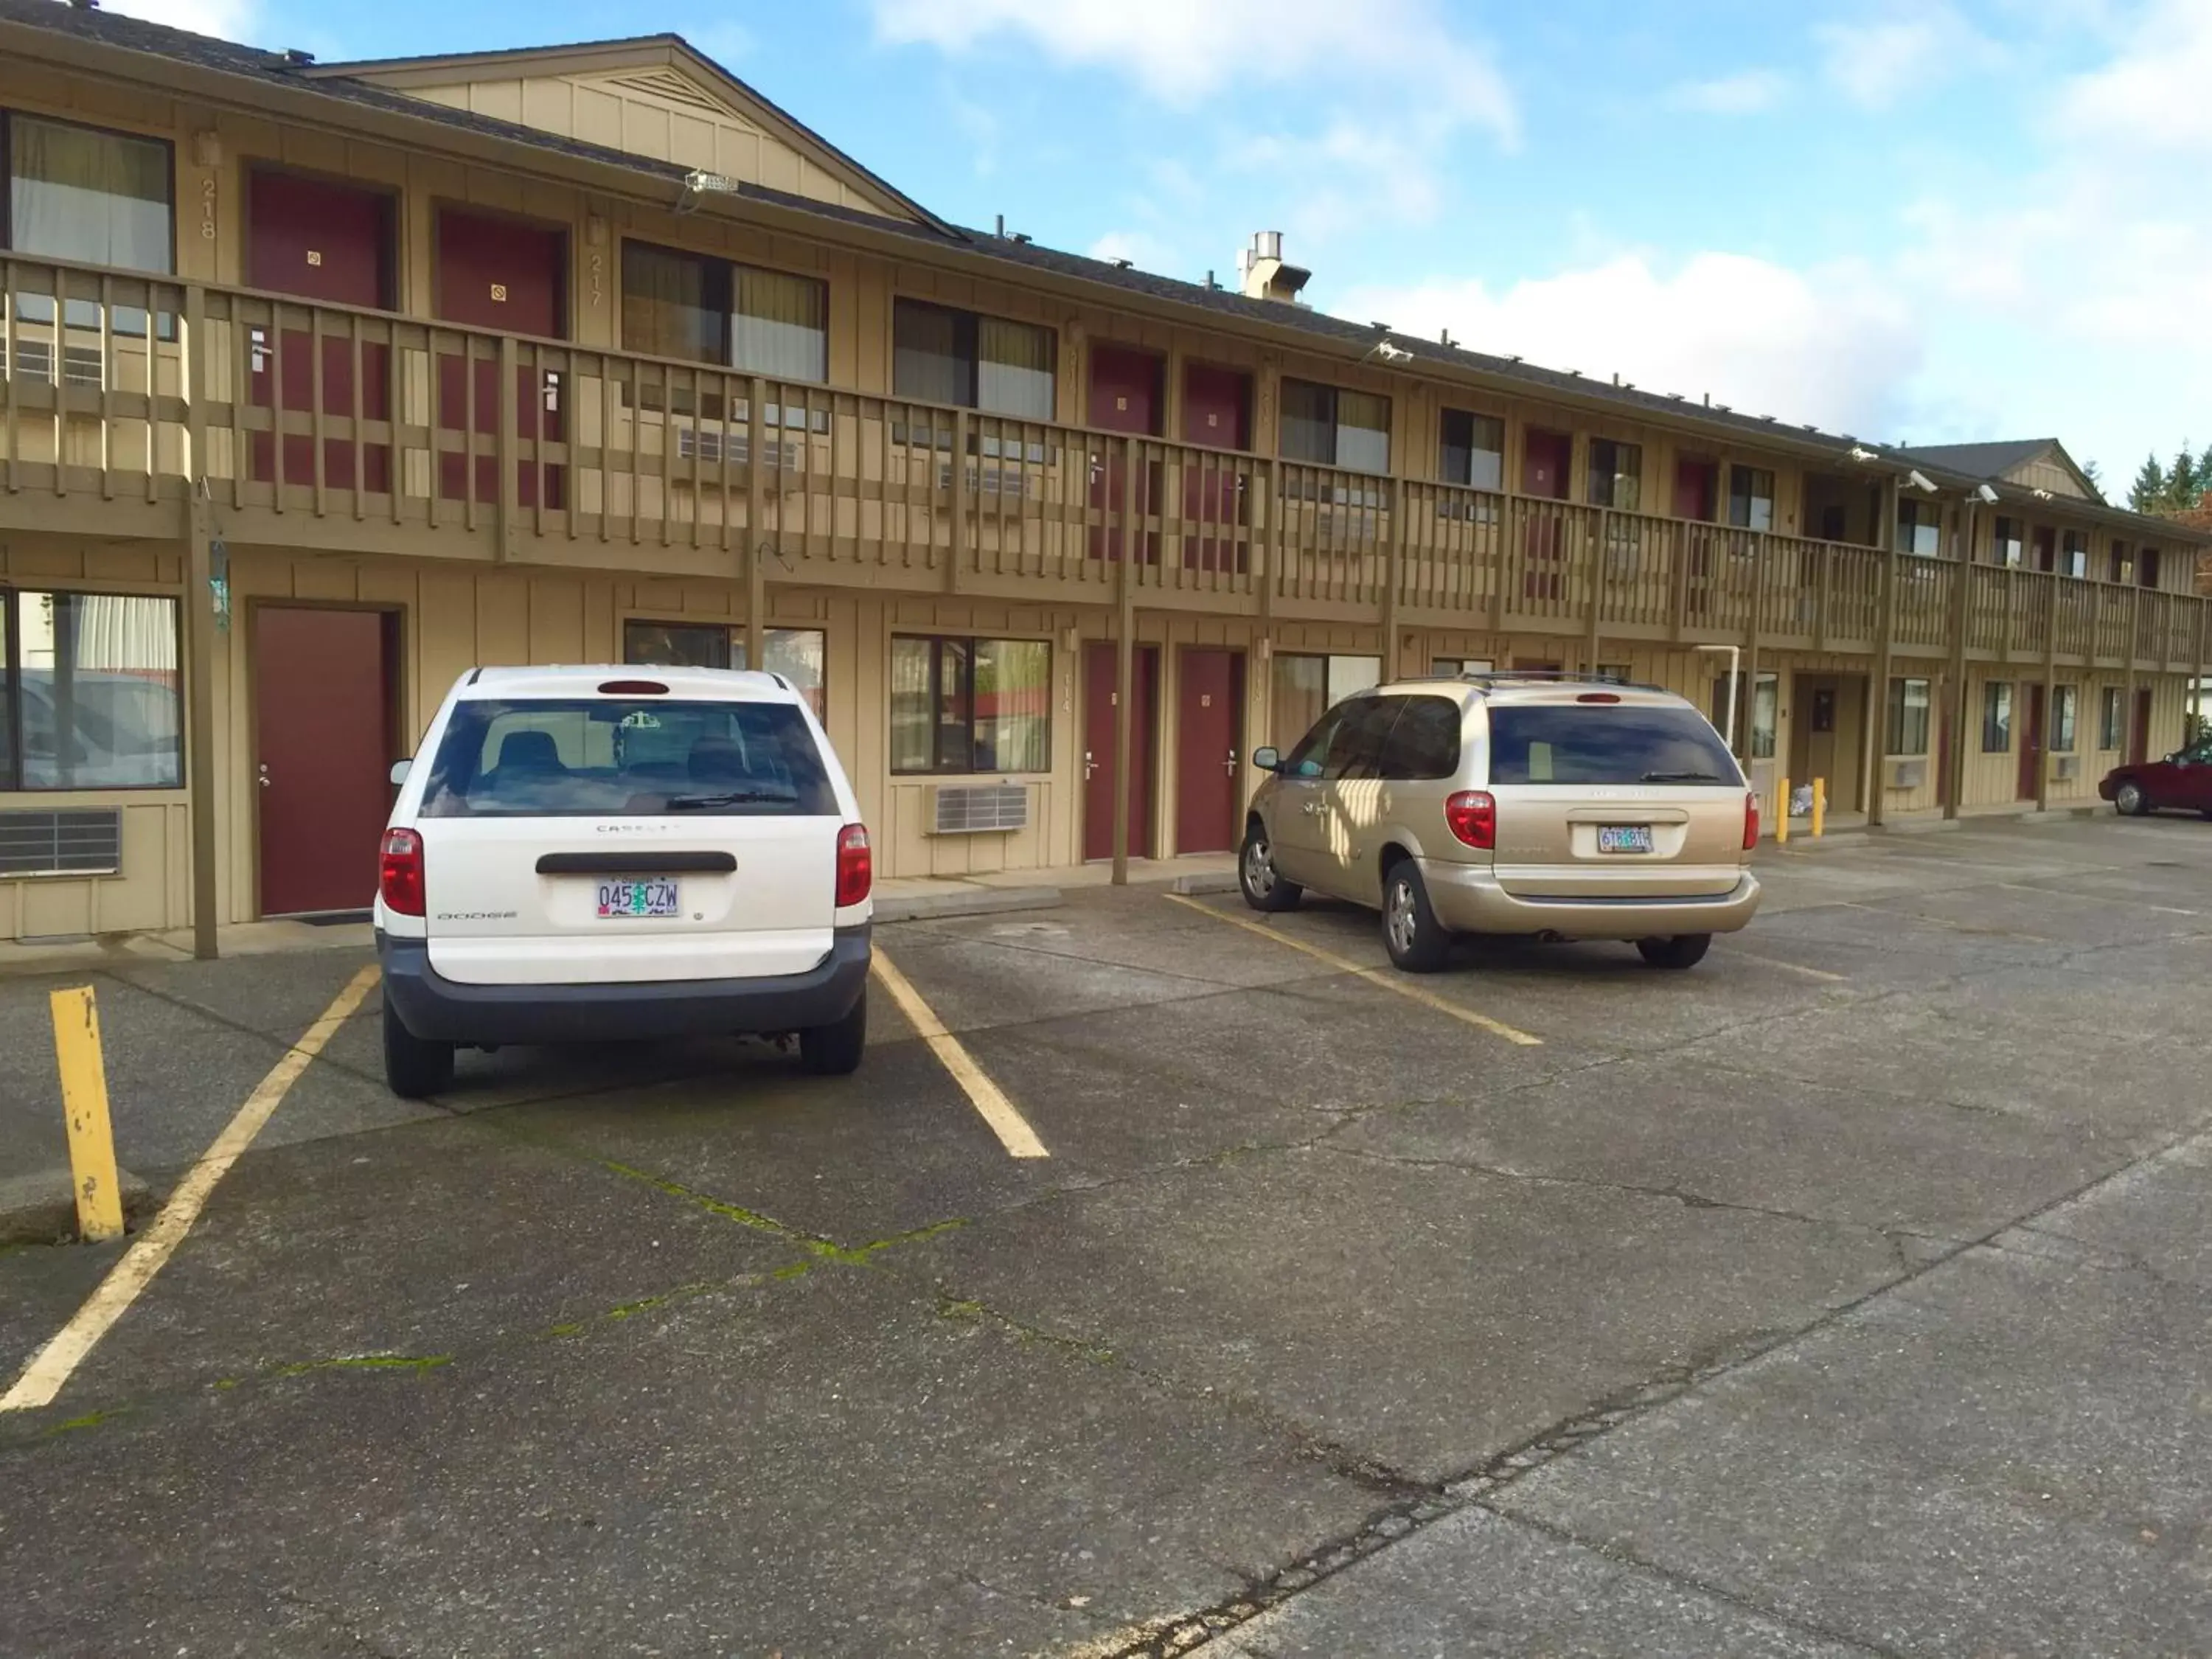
(1624, 838)
(620, 899)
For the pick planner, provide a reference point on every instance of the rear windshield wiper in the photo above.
(733, 798)
(1683, 777)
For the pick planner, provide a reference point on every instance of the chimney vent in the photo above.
(1262, 274)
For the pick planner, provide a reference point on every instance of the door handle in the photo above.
(262, 776)
(1089, 766)
(1230, 765)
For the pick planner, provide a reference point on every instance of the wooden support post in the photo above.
(964, 503)
(202, 778)
(2128, 696)
(1394, 566)
(1750, 687)
(2050, 691)
(1871, 777)
(1125, 667)
(1950, 786)
(1598, 562)
(756, 523)
(510, 503)
(1267, 551)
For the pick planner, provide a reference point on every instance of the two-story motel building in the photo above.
(324, 382)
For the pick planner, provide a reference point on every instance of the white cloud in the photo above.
(1831, 346)
(1185, 51)
(2156, 94)
(226, 19)
(1908, 48)
(1749, 92)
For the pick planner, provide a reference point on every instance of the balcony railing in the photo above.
(310, 424)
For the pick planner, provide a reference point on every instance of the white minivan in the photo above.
(604, 854)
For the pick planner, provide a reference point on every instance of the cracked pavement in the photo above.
(1849, 1295)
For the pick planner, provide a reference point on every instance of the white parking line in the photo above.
(53, 1365)
(1388, 981)
(1792, 967)
(986, 1096)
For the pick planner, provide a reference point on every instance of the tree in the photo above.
(2096, 475)
(2182, 488)
(2148, 489)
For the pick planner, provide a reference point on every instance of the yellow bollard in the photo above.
(84, 1104)
(1782, 811)
(1820, 805)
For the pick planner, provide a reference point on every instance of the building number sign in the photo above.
(206, 209)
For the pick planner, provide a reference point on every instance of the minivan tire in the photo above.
(836, 1050)
(1263, 886)
(414, 1067)
(1682, 951)
(1416, 940)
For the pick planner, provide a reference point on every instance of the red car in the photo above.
(2183, 782)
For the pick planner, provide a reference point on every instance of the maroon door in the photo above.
(1126, 395)
(1697, 497)
(2139, 737)
(1209, 727)
(2046, 548)
(1545, 457)
(333, 242)
(1101, 683)
(1217, 406)
(2031, 738)
(506, 275)
(322, 737)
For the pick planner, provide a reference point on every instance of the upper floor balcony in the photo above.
(324, 426)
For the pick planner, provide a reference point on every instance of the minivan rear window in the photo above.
(1607, 743)
(627, 758)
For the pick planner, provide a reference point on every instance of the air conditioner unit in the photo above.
(86, 841)
(711, 448)
(1003, 481)
(2065, 767)
(978, 809)
(1909, 773)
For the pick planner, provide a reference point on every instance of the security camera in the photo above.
(1918, 480)
(1985, 494)
(1860, 453)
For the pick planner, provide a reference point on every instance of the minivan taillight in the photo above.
(1750, 822)
(856, 865)
(1473, 815)
(401, 879)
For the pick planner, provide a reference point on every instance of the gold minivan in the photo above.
(1553, 807)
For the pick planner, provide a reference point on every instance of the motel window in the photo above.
(2065, 703)
(1758, 704)
(1306, 686)
(1472, 451)
(798, 653)
(1751, 498)
(2110, 718)
(963, 705)
(1335, 427)
(945, 357)
(1997, 717)
(710, 311)
(90, 696)
(1616, 477)
(1920, 529)
(2120, 566)
(2074, 554)
(85, 196)
(2010, 547)
(1616, 673)
(1450, 668)
(1908, 717)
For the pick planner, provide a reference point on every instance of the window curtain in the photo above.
(100, 692)
(92, 197)
(777, 326)
(1362, 432)
(928, 360)
(669, 309)
(1013, 706)
(1014, 369)
(1308, 422)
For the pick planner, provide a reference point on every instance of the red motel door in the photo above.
(506, 275)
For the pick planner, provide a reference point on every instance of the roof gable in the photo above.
(2031, 462)
(654, 97)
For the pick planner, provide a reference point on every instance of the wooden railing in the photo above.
(137, 390)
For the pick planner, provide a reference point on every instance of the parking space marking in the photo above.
(1941, 921)
(1389, 979)
(53, 1365)
(989, 1101)
(2094, 898)
(1792, 967)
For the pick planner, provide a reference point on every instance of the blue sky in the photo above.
(1924, 220)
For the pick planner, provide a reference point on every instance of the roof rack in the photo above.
(1554, 677)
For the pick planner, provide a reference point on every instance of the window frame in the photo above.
(1336, 427)
(1474, 418)
(7, 115)
(1602, 488)
(969, 333)
(2112, 720)
(1898, 713)
(2065, 718)
(1996, 716)
(1751, 498)
(736, 642)
(2074, 554)
(937, 768)
(2008, 554)
(1910, 523)
(726, 315)
(13, 780)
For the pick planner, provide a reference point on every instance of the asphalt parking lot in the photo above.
(1849, 1294)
